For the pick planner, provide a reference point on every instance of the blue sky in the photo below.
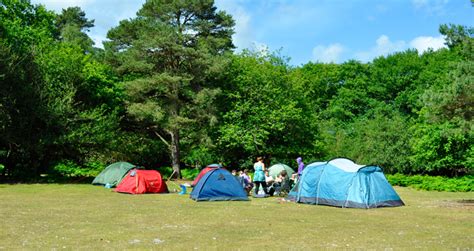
(311, 30)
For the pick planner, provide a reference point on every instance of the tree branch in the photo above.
(188, 18)
(162, 139)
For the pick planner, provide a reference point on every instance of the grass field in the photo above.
(53, 216)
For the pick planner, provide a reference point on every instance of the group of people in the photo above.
(261, 179)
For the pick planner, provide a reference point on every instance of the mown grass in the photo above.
(52, 216)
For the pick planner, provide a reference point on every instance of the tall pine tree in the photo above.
(167, 53)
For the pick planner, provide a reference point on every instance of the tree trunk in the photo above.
(174, 148)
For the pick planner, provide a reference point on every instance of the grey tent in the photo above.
(276, 169)
(113, 174)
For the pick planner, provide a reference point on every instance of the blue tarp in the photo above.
(218, 184)
(342, 183)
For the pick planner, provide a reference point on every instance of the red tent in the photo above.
(142, 181)
(204, 171)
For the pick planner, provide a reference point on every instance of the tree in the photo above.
(74, 16)
(352, 97)
(264, 113)
(456, 35)
(319, 82)
(444, 133)
(72, 25)
(56, 102)
(24, 29)
(165, 55)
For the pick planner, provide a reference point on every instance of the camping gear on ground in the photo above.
(204, 171)
(113, 174)
(343, 183)
(183, 189)
(276, 169)
(142, 181)
(218, 184)
(261, 195)
(281, 188)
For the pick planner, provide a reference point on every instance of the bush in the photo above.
(190, 174)
(165, 171)
(433, 183)
(68, 168)
(187, 174)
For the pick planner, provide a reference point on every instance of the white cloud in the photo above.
(419, 3)
(383, 46)
(105, 13)
(98, 39)
(436, 7)
(244, 36)
(328, 54)
(291, 14)
(422, 43)
(58, 5)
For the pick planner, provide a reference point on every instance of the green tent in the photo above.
(113, 174)
(276, 169)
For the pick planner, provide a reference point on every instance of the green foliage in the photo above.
(186, 173)
(393, 74)
(433, 73)
(72, 34)
(25, 30)
(99, 86)
(264, 114)
(25, 26)
(166, 54)
(200, 156)
(165, 171)
(190, 174)
(74, 16)
(170, 86)
(70, 169)
(72, 25)
(349, 104)
(442, 148)
(444, 135)
(456, 35)
(433, 183)
(318, 82)
(49, 95)
(381, 139)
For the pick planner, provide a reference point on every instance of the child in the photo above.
(247, 182)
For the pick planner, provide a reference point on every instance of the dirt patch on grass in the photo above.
(465, 204)
(470, 202)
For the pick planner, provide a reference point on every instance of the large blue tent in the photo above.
(218, 184)
(343, 183)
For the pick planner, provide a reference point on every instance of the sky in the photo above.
(311, 30)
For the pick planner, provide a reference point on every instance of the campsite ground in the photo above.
(54, 216)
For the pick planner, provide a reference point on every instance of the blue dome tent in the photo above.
(343, 183)
(218, 184)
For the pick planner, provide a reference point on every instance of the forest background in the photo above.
(168, 90)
